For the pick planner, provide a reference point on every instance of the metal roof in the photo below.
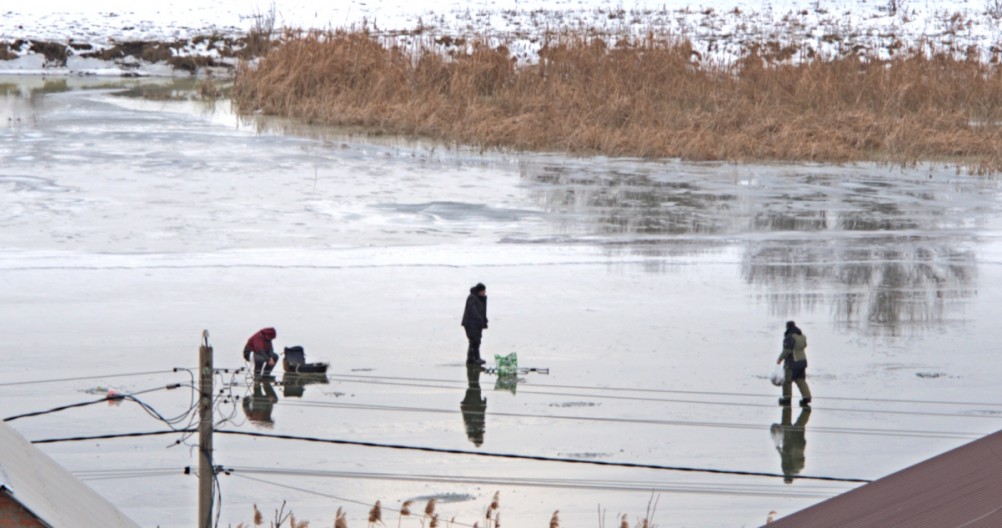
(48, 490)
(959, 488)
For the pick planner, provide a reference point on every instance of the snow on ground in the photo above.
(719, 29)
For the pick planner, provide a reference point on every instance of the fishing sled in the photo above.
(295, 362)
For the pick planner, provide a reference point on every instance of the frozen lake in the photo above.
(655, 293)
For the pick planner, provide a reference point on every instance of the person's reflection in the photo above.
(791, 441)
(258, 405)
(474, 406)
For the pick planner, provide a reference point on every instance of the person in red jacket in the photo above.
(264, 356)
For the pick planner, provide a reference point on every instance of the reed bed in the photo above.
(649, 96)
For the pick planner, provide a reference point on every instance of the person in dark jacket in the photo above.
(475, 322)
(260, 350)
(794, 357)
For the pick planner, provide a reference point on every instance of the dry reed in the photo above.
(376, 514)
(405, 511)
(493, 516)
(651, 97)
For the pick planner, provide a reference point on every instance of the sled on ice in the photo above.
(295, 362)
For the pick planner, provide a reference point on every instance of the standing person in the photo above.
(794, 357)
(264, 356)
(475, 322)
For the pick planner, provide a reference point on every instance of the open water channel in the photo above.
(655, 293)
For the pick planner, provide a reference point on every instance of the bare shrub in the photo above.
(262, 31)
(994, 8)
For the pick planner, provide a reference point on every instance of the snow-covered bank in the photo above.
(58, 36)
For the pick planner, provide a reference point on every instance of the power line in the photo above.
(561, 483)
(703, 402)
(115, 474)
(83, 378)
(539, 458)
(644, 421)
(359, 377)
(111, 436)
(110, 397)
(426, 449)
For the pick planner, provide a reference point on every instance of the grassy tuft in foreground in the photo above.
(490, 519)
(646, 97)
(430, 518)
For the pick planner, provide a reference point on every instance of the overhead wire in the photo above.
(124, 473)
(86, 378)
(540, 458)
(111, 436)
(109, 397)
(759, 490)
(700, 402)
(643, 421)
(355, 377)
(485, 454)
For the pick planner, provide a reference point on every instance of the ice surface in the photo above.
(653, 291)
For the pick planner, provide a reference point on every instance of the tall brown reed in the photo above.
(651, 97)
(376, 514)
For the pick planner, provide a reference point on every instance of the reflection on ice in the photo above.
(259, 404)
(474, 406)
(883, 250)
(791, 442)
(877, 284)
(456, 212)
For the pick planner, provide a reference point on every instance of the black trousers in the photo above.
(475, 335)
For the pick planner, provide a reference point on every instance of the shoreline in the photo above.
(712, 42)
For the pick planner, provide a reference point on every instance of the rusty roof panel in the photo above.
(960, 488)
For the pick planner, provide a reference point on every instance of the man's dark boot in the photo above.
(806, 402)
(785, 402)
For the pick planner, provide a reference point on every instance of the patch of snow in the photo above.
(720, 30)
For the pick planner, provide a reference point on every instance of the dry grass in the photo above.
(492, 516)
(649, 97)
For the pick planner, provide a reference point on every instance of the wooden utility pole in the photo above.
(206, 471)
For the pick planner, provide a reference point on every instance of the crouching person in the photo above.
(260, 350)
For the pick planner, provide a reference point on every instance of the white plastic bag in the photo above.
(778, 375)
